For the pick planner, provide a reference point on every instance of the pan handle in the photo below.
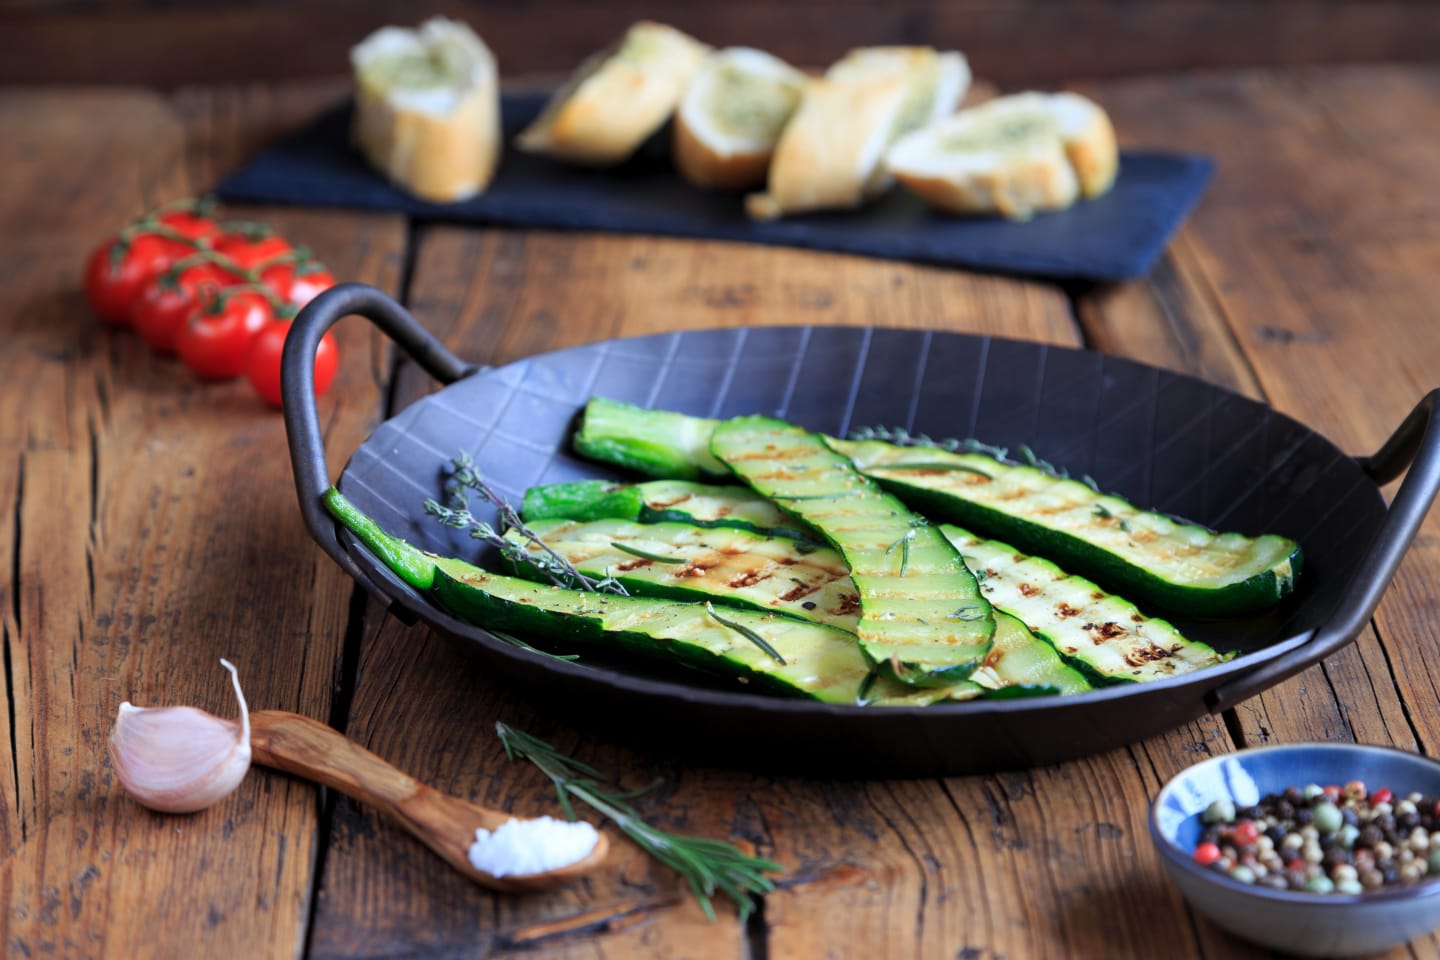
(1415, 443)
(297, 392)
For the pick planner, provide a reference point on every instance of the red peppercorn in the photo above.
(1245, 832)
(1206, 854)
(1383, 795)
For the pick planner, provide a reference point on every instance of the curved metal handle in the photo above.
(297, 392)
(1417, 443)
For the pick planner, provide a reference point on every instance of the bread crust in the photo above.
(612, 105)
(443, 151)
(709, 168)
(1090, 145)
(830, 150)
(1016, 191)
(440, 159)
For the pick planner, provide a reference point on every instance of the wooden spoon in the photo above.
(445, 824)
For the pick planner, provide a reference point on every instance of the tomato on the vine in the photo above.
(297, 282)
(215, 340)
(160, 313)
(118, 272)
(262, 367)
(250, 250)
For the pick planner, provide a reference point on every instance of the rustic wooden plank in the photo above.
(1035, 42)
(148, 513)
(1310, 271)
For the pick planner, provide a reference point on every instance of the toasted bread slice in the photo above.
(1089, 140)
(937, 81)
(1005, 156)
(731, 117)
(427, 108)
(831, 154)
(617, 98)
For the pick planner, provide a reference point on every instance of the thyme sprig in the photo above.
(456, 514)
(710, 866)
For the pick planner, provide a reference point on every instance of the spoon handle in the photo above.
(308, 748)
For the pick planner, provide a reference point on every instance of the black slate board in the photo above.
(1115, 237)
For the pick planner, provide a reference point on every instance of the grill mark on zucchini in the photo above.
(1089, 627)
(821, 662)
(906, 574)
(1152, 557)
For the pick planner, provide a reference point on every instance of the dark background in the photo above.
(1010, 42)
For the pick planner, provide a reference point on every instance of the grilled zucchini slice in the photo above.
(921, 614)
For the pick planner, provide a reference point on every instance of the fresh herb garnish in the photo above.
(932, 465)
(708, 865)
(457, 515)
(968, 612)
(747, 633)
(904, 544)
(1101, 512)
(515, 641)
(645, 555)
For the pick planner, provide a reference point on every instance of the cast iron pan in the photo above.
(1164, 440)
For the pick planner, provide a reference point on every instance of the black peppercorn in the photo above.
(1369, 836)
(1303, 816)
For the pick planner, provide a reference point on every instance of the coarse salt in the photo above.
(521, 847)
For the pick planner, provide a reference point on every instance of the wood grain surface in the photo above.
(153, 529)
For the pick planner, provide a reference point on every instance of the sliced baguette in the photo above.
(731, 117)
(427, 109)
(1005, 156)
(831, 154)
(1089, 140)
(617, 98)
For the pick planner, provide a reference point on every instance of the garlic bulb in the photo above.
(180, 759)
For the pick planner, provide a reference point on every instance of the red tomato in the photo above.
(297, 283)
(262, 367)
(121, 269)
(188, 223)
(250, 251)
(215, 340)
(161, 312)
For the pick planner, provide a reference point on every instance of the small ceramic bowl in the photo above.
(1308, 924)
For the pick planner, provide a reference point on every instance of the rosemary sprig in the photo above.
(645, 554)
(936, 465)
(747, 633)
(456, 514)
(968, 612)
(708, 865)
(515, 641)
(904, 544)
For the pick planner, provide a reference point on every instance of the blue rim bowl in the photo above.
(1307, 924)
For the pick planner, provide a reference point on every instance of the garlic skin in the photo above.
(180, 759)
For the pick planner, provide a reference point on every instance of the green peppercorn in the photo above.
(1243, 873)
(1328, 818)
(1433, 861)
(1321, 884)
(1348, 835)
(1221, 811)
(1349, 886)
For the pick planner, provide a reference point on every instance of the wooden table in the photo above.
(151, 528)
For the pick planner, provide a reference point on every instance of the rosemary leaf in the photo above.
(645, 555)
(932, 465)
(904, 544)
(710, 866)
(747, 633)
(515, 641)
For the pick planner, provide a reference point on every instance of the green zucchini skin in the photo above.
(1149, 557)
(821, 662)
(1020, 661)
(733, 566)
(661, 501)
(922, 617)
(656, 443)
(1104, 636)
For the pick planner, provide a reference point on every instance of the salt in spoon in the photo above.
(445, 824)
